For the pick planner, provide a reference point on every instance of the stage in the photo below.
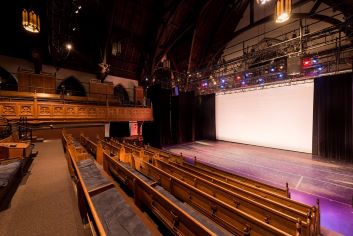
(308, 178)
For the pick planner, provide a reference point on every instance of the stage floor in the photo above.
(308, 179)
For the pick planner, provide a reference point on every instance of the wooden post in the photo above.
(287, 190)
(318, 216)
(122, 153)
(99, 153)
(298, 228)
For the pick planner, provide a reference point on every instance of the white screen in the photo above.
(276, 117)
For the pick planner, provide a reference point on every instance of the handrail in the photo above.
(63, 98)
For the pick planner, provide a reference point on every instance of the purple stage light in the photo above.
(280, 75)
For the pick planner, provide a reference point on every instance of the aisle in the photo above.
(45, 202)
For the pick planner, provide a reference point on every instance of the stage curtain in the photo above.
(205, 121)
(179, 119)
(183, 117)
(332, 121)
(158, 133)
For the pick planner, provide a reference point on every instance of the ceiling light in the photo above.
(283, 10)
(68, 46)
(262, 2)
(30, 21)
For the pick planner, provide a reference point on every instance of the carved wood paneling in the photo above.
(45, 111)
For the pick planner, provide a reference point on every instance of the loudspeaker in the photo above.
(294, 65)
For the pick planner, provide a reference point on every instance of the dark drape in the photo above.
(205, 125)
(179, 119)
(119, 129)
(332, 122)
(183, 117)
(158, 133)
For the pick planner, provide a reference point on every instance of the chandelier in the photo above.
(30, 21)
(283, 10)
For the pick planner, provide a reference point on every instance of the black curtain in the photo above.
(205, 119)
(179, 119)
(158, 133)
(332, 123)
(119, 129)
(183, 117)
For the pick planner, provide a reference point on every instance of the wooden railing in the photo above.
(234, 207)
(44, 111)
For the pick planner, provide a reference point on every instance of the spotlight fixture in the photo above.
(283, 10)
(262, 2)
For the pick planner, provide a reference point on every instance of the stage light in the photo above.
(315, 60)
(214, 82)
(283, 10)
(272, 69)
(280, 75)
(306, 62)
(222, 80)
(243, 82)
(238, 77)
(76, 11)
(79, 7)
(261, 81)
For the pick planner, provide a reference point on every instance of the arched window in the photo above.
(121, 94)
(7, 81)
(72, 87)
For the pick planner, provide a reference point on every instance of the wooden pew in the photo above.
(94, 189)
(256, 184)
(309, 216)
(121, 165)
(173, 217)
(280, 216)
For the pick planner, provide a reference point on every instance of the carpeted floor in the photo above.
(45, 202)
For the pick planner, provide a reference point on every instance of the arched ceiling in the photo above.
(191, 33)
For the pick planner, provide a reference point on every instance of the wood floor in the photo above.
(308, 179)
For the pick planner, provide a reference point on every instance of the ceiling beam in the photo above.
(315, 7)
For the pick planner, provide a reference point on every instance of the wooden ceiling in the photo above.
(190, 33)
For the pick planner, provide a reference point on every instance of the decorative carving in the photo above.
(70, 110)
(91, 111)
(9, 110)
(44, 110)
(82, 111)
(26, 110)
(58, 110)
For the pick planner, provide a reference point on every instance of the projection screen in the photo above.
(279, 117)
